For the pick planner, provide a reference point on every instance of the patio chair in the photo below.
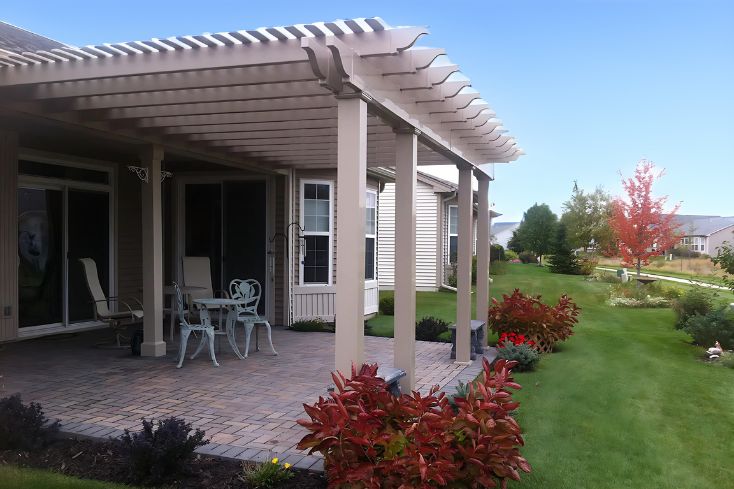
(197, 272)
(205, 328)
(118, 321)
(250, 291)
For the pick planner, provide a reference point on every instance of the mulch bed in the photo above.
(103, 461)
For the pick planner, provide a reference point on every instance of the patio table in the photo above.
(170, 290)
(231, 305)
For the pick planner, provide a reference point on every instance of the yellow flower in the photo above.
(275, 460)
(287, 465)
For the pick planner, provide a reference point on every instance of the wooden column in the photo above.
(463, 273)
(153, 344)
(406, 167)
(8, 235)
(483, 250)
(350, 209)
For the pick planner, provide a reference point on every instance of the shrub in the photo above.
(716, 325)
(684, 252)
(604, 277)
(527, 257)
(156, 455)
(526, 356)
(372, 439)
(387, 305)
(695, 300)
(308, 325)
(587, 264)
(510, 255)
(498, 268)
(430, 328)
(265, 475)
(498, 253)
(526, 314)
(451, 279)
(727, 360)
(24, 427)
(515, 339)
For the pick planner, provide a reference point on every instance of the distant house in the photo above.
(501, 232)
(436, 235)
(705, 233)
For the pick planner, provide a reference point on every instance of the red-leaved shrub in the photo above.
(529, 316)
(371, 439)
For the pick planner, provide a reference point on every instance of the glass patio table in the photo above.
(231, 322)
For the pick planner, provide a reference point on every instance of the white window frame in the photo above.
(373, 236)
(330, 234)
(449, 234)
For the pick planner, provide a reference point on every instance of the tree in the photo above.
(586, 217)
(725, 259)
(536, 231)
(564, 259)
(639, 224)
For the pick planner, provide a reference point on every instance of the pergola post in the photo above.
(483, 251)
(350, 234)
(153, 344)
(406, 168)
(463, 273)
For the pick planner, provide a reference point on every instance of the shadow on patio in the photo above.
(248, 408)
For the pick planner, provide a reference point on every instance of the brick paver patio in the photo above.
(248, 408)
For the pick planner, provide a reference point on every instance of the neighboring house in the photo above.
(501, 232)
(436, 231)
(705, 233)
(254, 148)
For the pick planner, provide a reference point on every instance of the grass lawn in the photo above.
(16, 478)
(624, 403)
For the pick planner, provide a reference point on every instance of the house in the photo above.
(436, 231)
(501, 232)
(704, 234)
(253, 148)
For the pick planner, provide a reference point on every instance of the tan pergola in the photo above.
(346, 94)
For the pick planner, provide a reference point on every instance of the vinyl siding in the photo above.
(129, 236)
(427, 221)
(9, 235)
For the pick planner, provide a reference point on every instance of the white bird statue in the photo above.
(715, 351)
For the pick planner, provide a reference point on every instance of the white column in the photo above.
(463, 273)
(351, 186)
(153, 344)
(406, 166)
(483, 251)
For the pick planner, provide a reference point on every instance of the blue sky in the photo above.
(587, 87)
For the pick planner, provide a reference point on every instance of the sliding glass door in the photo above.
(57, 225)
(227, 221)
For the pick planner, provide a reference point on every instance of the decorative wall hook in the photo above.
(142, 173)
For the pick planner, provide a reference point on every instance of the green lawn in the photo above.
(15, 478)
(623, 404)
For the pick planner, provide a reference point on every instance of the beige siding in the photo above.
(717, 239)
(129, 236)
(427, 221)
(8, 235)
(278, 248)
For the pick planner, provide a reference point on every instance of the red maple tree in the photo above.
(641, 227)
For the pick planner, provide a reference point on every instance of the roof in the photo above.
(691, 225)
(16, 40)
(500, 227)
(266, 95)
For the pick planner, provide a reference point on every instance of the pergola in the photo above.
(346, 94)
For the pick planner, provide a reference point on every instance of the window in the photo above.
(453, 232)
(370, 234)
(316, 212)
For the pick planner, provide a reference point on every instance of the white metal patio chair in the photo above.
(250, 291)
(119, 320)
(205, 328)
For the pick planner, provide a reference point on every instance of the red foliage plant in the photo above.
(641, 227)
(371, 439)
(529, 316)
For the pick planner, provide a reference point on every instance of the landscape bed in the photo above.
(103, 461)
